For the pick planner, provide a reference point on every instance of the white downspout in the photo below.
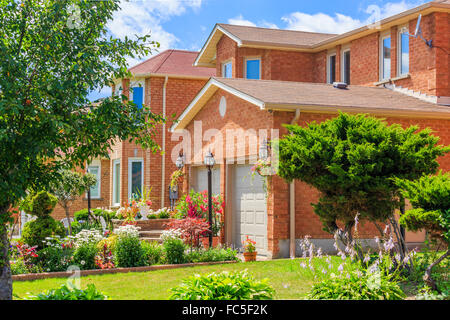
(292, 203)
(163, 164)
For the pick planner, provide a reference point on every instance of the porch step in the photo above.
(150, 233)
(159, 240)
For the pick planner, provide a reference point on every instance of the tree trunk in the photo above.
(427, 277)
(66, 209)
(5, 268)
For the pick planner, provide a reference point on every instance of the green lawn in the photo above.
(289, 280)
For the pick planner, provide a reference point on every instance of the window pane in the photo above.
(252, 69)
(136, 178)
(332, 69)
(138, 96)
(116, 197)
(95, 190)
(387, 58)
(228, 70)
(347, 67)
(404, 53)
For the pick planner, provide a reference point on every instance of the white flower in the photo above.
(87, 237)
(82, 262)
(171, 234)
(127, 231)
(341, 268)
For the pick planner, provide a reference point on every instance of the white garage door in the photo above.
(249, 209)
(200, 180)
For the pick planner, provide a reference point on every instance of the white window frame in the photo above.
(401, 30)
(97, 163)
(331, 54)
(137, 83)
(252, 59)
(118, 88)
(116, 162)
(223, 68)
(345, 50)
(382, 38)
(130, 163)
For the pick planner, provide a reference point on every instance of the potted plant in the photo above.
(144, 203)
(175, 179)
(249, 249)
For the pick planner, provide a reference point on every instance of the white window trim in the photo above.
(401, 30)
(252, 59)
(115, 162)
(97, 163)
(329, 66)
(343, 64)
(130, 162)
(382, 38)
(137, 83)
(223, 68)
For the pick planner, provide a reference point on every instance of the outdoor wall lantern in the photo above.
(209, 162)
(264, 150)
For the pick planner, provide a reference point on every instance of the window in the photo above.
(403, 46)
(116, 183)
(253, 69)
(94, 168)
(331, 74)
(346, 66)
(227, 70)
(386, 58)
(135, 177)
(137, 93)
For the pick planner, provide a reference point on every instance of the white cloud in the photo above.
(241, 21)
(142, 17)
(340, 23)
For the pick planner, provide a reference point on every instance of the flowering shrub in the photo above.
(56, 255)
(127, 231)
(22, 258)
(104, 260)
(171, 234)
(191, 229)
(223, 286)
(249, 245)
(86, 237)
(195, 205)
(129, 212)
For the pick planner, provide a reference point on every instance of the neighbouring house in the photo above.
(268, 77)
(166, 83)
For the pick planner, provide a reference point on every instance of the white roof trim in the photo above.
(219, 85)
(216, 28)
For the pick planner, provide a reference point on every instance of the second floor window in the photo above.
(404, 52)
(332, 69)
(227, 70)
(253, 69)
(346, 66)
(386, 58)
(95, 170)
(137, 96)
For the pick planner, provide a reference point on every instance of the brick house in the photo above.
(166, 82)
(267, 78)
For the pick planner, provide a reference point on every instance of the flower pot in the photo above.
(250, 256)
(205, 242)
(144, 212)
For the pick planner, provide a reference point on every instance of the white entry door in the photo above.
(249, 209)
(200, 180)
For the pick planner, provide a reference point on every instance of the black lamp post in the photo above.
(209, 163)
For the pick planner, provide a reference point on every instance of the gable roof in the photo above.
(313, 97)
(256, 37)
(172, 62)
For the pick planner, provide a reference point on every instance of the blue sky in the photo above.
(186, 24)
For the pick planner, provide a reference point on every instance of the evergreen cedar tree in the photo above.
(352, 160)
(54, 53)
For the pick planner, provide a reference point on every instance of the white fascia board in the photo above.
(219, 85)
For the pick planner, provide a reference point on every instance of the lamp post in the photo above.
(180, 161)
(209, 163)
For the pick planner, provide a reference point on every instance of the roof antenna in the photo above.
(418, 33)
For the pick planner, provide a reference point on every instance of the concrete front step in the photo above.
(159, 240)
(151, 233)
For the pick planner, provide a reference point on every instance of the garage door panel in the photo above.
(201, 180)
(249, 209)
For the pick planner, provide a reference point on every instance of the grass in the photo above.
(289, 280)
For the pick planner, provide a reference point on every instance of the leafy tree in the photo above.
(351, 160)
(69, 187)
(54, 53)
(430, 198)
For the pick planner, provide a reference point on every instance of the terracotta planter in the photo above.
(250, 256)
(205, 242)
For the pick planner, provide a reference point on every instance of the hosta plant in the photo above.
(67, 293)
(223, 286)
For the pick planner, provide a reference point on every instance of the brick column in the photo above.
(338, 63)
(394, 42)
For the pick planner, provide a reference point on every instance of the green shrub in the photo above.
(211, 255)
(84, 256)
(54, 259)
(163, 214)
(66, 293)
(153, 252)
(81, 215)
(223, 286)
(129, 252)
(357, 287)
(174, 250)
(40, 204)
(35, 232)
(18, 267)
